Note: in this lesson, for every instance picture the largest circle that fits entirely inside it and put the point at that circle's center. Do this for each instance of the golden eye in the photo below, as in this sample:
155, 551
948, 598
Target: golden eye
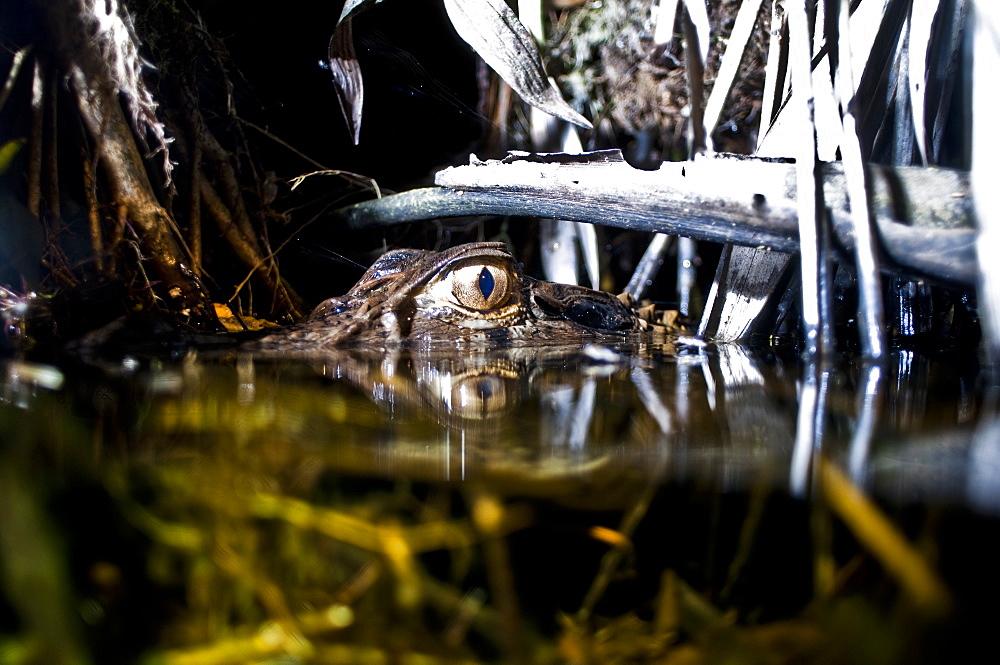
481, 286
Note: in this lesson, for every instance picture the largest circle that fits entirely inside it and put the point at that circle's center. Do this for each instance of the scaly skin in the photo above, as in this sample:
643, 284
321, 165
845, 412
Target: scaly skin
470, 295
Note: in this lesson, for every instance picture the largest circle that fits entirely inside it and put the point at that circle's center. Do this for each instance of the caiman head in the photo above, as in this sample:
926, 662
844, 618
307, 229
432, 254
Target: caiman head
473, 293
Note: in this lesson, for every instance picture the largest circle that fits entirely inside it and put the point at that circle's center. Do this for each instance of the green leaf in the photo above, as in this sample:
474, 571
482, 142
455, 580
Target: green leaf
8, 151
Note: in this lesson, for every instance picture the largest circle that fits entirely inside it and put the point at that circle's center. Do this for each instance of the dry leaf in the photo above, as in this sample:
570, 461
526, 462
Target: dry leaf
347, 76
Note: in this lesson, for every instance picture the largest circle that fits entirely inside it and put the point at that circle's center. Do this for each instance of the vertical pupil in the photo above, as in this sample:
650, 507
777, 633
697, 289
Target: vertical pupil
486, 283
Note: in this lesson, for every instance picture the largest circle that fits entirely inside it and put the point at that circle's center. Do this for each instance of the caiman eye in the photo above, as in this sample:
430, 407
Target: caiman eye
481, 286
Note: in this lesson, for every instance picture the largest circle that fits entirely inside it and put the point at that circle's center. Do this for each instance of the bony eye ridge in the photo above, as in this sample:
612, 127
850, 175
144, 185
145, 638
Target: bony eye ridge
481, 287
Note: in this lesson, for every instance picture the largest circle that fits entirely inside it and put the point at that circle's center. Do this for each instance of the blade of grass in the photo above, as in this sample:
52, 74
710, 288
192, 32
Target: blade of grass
899, 125
869, 285
922, 14
664, 14
873, 104
775, 71
884, 540
944, 72
696, 37
746, 19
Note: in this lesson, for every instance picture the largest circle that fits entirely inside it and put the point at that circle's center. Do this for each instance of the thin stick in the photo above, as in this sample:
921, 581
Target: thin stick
610, 561
815, 291
695, 30
370, 183
248, 252
649, 266
52, 155
194, 211
35, 143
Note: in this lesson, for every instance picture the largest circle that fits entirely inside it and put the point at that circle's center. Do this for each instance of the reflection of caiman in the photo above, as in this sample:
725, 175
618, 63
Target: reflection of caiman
472, 293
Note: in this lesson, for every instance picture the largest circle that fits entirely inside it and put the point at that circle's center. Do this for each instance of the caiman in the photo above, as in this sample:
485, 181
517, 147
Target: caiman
473, 294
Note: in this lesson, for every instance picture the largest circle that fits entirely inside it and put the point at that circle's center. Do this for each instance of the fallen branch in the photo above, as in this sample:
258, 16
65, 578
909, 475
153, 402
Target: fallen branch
739, 201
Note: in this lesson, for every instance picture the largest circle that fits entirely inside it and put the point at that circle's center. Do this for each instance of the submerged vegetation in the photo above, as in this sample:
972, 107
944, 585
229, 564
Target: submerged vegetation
237, 511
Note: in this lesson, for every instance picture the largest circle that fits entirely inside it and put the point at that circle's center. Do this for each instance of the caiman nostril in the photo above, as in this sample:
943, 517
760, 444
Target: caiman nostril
546, 305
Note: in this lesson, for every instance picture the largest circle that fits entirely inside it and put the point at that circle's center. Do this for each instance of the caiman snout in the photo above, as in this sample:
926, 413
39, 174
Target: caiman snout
593, 309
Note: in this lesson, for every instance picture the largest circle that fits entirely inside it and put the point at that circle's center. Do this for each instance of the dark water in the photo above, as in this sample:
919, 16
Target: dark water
672, 503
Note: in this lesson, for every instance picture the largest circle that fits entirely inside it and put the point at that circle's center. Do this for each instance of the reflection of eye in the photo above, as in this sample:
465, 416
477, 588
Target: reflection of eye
478, 396
481, 286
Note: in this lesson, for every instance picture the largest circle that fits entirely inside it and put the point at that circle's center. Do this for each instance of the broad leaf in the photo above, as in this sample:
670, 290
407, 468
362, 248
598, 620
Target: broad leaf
489, 26
492, 29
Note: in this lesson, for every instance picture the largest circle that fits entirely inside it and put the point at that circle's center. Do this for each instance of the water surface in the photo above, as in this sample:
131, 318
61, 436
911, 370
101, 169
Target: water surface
678, 501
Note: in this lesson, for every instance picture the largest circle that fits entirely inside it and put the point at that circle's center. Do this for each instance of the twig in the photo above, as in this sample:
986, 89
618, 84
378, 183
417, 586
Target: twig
93, 215
194, 210
140, 259
371, 183
35, 142
246, 250
52, 154
611, 559
273, 253
15, 70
